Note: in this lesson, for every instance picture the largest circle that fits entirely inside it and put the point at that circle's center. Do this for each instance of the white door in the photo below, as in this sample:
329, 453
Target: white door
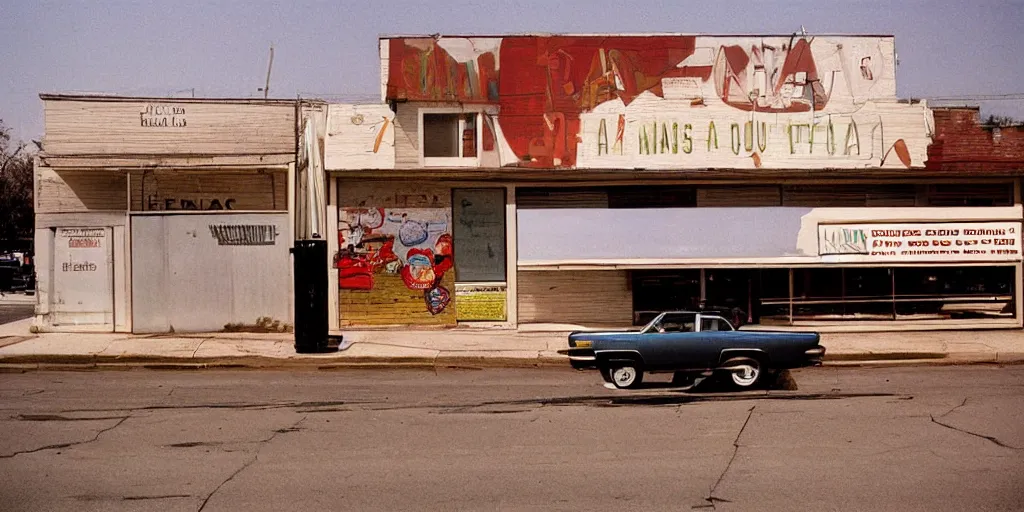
83, 280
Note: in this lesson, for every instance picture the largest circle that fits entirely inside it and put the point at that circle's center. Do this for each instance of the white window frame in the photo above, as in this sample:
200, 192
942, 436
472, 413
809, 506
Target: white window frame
458, 161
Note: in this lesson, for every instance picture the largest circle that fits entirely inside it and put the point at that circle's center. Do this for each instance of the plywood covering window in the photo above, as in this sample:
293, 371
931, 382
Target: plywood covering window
450, 139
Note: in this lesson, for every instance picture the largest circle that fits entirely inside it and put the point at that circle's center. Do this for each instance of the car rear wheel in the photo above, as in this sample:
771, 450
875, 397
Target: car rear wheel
626, 376
745, 371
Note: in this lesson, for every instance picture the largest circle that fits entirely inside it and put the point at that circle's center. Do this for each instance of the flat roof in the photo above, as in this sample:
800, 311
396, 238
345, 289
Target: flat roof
120, 98
628, 34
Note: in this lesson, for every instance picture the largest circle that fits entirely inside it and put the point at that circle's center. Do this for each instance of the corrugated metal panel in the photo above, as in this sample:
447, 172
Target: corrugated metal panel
768, 195
77, 191
197, 273
167, 127
179, 190
590, 298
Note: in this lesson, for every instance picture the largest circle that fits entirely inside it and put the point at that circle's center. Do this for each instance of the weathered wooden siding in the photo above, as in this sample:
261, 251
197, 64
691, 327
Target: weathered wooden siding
79, 191
114, 126
359, 137
407, 136
188, 190
590, 298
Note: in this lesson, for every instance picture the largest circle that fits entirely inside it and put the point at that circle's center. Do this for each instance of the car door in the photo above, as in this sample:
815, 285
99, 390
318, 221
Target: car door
714, 335
669, 350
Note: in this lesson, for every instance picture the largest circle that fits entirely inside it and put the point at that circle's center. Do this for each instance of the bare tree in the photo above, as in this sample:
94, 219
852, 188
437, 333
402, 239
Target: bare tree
16, 205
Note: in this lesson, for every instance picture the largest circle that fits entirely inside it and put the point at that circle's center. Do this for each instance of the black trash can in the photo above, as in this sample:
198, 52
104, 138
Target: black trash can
310, 270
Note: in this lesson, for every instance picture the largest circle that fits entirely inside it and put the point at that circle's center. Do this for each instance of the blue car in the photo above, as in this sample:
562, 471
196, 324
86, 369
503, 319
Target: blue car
692, 346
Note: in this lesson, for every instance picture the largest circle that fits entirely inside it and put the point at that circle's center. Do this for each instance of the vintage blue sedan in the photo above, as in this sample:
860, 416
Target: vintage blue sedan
692, 346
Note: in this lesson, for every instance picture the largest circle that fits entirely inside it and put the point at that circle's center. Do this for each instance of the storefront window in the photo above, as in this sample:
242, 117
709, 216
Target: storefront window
954, 292
478, 232
657, 291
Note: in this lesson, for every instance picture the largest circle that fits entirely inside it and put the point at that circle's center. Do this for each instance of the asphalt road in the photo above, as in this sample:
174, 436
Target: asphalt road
14, 312
939, 438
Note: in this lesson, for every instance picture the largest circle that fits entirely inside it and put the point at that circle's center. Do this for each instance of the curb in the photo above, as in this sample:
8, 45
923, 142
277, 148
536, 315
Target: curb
27, 363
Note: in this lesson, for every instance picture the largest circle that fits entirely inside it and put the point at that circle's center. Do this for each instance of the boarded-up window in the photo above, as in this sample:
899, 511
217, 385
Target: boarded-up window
824, 196
971, 194
479, 234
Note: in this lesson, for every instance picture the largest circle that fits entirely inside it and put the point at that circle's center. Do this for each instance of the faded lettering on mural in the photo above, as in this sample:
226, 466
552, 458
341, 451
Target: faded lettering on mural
986, 241
414, 244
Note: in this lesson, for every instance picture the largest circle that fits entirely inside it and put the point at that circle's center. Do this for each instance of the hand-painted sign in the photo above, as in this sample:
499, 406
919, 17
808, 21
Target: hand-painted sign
480, 302
961, 241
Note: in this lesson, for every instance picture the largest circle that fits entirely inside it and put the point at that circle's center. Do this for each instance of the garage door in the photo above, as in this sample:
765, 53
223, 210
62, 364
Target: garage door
197, 273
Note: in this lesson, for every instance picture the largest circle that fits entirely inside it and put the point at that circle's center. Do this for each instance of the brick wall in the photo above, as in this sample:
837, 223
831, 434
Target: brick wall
961, 143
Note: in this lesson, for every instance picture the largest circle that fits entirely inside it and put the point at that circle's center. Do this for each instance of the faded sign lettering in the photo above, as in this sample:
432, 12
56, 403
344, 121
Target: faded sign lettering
986, 241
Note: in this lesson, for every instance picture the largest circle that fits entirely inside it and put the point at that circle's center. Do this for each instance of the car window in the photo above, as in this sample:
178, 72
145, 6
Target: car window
676, 323
714, 324
708, 324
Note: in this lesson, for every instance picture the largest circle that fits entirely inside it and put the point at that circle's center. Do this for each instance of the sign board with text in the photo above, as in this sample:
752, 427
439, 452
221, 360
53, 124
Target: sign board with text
924, 242
83, 277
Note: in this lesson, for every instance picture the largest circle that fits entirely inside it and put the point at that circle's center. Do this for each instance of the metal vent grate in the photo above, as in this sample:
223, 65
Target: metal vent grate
244, 234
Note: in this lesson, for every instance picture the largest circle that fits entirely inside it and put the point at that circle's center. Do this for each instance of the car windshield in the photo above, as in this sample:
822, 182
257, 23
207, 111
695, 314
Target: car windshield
672, 322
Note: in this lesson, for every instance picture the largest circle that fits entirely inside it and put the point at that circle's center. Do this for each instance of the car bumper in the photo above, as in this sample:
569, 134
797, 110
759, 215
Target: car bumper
580, 358
815, 356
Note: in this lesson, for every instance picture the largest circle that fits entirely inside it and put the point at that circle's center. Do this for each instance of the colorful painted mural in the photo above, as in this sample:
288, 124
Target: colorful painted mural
413, 245
672, 101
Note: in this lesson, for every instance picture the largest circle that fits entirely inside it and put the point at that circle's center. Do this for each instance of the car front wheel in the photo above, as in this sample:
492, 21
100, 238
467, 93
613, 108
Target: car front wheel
626, 376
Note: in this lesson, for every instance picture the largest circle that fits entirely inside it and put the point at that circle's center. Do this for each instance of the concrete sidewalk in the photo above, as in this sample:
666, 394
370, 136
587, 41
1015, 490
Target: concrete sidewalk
443, 348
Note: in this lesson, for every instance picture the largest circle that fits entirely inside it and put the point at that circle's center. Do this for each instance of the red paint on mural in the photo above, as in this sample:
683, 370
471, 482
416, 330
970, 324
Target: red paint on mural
545, 83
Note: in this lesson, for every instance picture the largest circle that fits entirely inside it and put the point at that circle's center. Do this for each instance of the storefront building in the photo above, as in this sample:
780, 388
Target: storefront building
562, 182
162, 215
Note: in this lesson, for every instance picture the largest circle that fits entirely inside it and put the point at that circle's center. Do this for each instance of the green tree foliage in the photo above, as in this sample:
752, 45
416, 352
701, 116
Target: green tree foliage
16, 205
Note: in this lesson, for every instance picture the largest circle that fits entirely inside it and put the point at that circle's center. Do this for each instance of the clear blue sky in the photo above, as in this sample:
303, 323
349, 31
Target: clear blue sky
219, 48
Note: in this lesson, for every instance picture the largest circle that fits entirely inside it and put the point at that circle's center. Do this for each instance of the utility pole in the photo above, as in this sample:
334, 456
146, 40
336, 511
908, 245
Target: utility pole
270, 66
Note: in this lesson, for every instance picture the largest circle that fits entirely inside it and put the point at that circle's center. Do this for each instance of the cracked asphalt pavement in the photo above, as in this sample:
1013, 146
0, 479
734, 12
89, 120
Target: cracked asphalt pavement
903, 438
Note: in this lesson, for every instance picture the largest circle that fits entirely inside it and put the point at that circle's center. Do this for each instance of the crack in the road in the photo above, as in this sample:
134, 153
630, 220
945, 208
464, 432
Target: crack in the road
711, 498
947, 413
256, 457
67, 445
157, 497
664, 400
991, 439
57, 417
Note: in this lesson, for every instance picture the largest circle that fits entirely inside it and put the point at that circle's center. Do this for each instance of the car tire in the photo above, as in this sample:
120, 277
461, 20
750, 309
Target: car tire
606, 374
626, 375
750, 373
